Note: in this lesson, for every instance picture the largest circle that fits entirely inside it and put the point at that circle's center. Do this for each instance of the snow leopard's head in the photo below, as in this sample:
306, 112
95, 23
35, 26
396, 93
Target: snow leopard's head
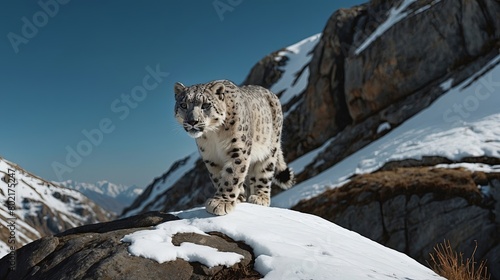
200, 108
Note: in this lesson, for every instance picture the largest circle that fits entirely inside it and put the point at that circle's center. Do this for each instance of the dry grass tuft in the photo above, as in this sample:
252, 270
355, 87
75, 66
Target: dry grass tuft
449, 264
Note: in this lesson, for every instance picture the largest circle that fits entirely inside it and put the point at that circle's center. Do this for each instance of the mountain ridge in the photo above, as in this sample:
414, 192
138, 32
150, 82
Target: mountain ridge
110, 196
35, 207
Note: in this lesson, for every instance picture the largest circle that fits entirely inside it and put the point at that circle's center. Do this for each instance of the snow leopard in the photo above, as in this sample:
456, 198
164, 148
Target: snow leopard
238, 134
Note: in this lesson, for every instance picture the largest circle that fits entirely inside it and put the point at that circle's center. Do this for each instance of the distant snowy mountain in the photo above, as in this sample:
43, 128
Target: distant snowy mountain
32, 207
112, 197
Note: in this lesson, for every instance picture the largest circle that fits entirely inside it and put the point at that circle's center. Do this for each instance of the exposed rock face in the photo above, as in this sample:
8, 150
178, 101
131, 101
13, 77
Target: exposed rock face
96, 252
407, 62
425, 47
266, 72
412, 209
349, 94
395, 77
323, 112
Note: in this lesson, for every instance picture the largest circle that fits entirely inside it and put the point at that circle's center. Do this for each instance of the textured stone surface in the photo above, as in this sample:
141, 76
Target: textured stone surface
423, 48
96, 252
266, 72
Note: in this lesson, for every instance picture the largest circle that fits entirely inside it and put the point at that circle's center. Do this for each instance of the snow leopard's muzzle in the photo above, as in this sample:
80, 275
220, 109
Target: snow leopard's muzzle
194, 128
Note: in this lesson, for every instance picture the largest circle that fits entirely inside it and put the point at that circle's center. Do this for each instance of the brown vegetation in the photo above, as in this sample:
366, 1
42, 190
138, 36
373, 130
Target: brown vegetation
450, 264
382, 185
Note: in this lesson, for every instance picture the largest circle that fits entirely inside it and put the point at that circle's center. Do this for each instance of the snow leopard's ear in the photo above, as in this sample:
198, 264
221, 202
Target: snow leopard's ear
179, 88
218, 89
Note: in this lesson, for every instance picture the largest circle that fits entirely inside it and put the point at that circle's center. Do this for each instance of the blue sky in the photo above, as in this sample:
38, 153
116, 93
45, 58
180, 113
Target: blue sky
84, 68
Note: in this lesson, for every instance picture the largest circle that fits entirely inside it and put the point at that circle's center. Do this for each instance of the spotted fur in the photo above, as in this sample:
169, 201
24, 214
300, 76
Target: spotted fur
238, 133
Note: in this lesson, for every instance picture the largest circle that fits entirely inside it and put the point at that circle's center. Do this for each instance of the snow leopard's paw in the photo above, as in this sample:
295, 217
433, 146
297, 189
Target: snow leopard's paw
219, 206
260, 200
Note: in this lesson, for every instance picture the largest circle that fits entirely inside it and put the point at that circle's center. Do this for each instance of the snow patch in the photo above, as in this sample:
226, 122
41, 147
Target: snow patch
300, 163
396, 14
426, 7
446, 85
157, 245
298, 56
383, 127
481, 167
286, 244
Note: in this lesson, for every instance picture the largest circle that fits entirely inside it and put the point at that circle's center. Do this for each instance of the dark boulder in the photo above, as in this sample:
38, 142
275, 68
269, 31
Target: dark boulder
96, 252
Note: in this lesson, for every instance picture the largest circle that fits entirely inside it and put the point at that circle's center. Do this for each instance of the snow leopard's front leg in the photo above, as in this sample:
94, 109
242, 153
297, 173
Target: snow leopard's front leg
230, 185
214, 171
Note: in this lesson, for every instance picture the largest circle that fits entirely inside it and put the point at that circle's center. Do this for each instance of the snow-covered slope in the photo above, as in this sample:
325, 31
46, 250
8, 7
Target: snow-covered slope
464, 122
32, 207
286, 244
151, 198
295, 72
112, 197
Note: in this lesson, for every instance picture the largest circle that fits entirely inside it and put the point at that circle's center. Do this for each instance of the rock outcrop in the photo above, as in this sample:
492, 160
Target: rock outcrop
96, 252
431, 42
349, 94
412, 209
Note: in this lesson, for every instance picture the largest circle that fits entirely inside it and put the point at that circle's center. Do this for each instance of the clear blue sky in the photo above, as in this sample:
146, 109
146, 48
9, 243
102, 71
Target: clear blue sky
70, 68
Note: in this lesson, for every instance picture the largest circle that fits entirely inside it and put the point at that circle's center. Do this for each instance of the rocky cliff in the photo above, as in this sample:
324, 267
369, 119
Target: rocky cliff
374, 67
367, 69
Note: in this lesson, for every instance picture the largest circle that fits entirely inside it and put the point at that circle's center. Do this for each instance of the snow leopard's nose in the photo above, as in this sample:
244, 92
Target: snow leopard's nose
192, 122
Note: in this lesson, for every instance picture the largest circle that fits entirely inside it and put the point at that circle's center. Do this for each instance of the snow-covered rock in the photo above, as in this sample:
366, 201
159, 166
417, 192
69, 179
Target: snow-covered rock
286, 245
253, 242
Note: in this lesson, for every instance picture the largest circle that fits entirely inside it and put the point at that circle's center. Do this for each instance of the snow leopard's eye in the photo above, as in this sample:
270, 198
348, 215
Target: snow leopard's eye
206, 106
183, 105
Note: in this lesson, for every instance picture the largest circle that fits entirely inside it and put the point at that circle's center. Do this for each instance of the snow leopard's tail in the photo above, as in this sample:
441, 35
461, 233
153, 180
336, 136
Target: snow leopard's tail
283, 175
